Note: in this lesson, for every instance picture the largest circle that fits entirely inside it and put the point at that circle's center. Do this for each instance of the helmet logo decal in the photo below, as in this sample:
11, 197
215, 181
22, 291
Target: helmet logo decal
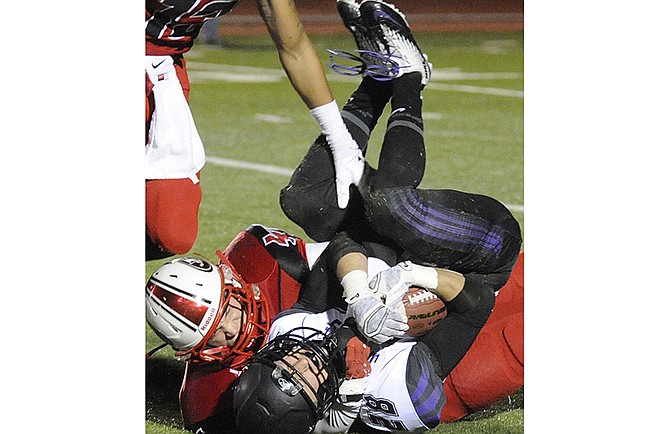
279, 237
284, 385
196, 263
208, 320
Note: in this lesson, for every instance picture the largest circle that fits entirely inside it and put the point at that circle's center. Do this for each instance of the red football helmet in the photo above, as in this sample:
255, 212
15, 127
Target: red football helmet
186, 299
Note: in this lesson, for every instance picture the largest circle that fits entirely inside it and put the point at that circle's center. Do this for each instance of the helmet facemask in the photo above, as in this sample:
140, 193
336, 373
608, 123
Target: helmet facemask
321, 349
253, 329
186, 300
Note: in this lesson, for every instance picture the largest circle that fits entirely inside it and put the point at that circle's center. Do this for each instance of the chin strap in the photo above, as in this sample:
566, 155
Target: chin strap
155, 350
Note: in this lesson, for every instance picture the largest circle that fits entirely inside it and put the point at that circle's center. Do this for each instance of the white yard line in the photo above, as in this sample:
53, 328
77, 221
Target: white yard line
476, 89
267, 168
201, 72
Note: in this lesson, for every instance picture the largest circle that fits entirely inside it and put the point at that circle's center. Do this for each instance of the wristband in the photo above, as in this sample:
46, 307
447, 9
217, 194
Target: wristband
329, 118
425, 277
339, 139
353, 282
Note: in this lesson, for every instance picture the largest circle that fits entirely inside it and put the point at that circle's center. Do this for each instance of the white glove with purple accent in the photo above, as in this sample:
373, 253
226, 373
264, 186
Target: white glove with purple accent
373, 318
392, 283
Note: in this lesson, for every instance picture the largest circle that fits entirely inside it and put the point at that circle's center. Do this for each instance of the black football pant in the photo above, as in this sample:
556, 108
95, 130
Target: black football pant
472, 234
464, 232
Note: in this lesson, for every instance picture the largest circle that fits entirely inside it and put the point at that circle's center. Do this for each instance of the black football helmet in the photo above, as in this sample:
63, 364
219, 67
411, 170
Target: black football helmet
270, 398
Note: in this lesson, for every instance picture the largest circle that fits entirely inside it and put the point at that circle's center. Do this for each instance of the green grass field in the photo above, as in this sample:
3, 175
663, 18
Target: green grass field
246, 111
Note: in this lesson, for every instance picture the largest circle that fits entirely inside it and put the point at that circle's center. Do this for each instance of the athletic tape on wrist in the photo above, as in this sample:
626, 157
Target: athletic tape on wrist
354, 282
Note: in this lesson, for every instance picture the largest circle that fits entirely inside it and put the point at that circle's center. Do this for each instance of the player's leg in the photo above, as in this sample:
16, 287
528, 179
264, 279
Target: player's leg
492, 369
402, 158
171, 216
171, 205
436, 226
310, 198
367, 103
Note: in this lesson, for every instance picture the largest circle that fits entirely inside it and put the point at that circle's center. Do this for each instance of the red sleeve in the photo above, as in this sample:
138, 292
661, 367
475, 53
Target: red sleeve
205, 391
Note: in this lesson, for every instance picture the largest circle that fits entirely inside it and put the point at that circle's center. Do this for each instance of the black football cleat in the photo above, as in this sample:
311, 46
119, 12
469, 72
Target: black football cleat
393, 30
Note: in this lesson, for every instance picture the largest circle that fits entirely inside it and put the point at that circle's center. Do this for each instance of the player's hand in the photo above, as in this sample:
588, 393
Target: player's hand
392, 283
375, 320
341, 415
348, 170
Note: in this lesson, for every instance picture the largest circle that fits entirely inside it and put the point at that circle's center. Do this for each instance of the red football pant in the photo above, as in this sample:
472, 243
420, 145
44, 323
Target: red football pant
172, 204
493, 367
172, 213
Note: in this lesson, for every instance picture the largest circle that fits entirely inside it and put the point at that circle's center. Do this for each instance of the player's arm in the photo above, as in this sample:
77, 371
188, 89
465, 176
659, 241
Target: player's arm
373, 319
304, 70
296, 52
394, 282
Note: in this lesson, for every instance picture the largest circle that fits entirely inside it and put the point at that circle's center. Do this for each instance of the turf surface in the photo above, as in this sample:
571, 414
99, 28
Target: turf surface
247, 112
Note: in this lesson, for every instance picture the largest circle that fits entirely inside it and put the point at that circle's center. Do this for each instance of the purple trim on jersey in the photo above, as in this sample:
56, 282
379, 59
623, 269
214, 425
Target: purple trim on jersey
428, 410
448, 225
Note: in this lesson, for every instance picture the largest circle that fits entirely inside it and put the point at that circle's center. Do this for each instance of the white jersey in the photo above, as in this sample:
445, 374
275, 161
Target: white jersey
386, 404
174, 149
320, 321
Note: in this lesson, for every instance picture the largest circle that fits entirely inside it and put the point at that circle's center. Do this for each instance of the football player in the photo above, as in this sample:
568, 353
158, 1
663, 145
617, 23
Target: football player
177, 291
216, 316
473, 236
491, 235
292, 382
174, 152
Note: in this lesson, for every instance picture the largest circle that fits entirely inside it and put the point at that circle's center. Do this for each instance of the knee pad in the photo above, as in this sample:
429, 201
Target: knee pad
317, 216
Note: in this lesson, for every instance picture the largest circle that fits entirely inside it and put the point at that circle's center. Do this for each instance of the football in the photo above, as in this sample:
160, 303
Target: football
423, 309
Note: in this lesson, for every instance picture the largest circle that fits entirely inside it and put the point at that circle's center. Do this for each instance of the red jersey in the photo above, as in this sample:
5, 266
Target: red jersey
172, 25
275, 261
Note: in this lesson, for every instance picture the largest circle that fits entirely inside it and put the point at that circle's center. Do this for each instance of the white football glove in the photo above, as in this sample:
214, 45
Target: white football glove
349, 166
347, 157
374, 319
392, 284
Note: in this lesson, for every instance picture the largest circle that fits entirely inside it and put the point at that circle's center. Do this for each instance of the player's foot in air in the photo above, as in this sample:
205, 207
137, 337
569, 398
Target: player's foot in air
366, 39
375, 60
392, 29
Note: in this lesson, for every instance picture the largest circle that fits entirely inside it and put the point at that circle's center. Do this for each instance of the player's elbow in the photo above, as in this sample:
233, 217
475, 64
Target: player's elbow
475, 301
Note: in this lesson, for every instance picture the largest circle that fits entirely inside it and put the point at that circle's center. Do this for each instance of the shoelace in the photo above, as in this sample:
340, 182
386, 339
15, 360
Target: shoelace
366, 63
